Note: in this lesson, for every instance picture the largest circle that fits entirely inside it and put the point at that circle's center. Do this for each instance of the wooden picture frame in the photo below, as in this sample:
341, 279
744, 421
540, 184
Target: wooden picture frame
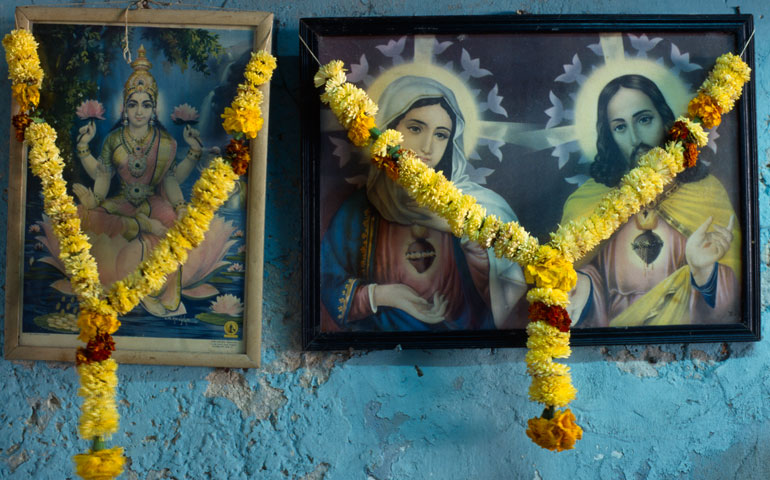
209, 313
526, 89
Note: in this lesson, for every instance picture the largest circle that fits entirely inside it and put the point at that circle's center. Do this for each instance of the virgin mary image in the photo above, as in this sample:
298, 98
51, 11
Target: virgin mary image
390, 265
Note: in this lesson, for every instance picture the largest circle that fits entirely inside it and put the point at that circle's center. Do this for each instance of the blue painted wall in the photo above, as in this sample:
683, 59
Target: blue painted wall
676, 411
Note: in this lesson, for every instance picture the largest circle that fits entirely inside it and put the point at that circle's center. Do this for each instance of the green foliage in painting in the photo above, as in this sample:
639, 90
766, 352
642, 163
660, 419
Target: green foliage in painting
73, 58
183, 47
76, 57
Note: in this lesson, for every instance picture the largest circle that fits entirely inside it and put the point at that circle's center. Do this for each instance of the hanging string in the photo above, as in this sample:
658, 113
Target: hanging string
309, 51
746, 45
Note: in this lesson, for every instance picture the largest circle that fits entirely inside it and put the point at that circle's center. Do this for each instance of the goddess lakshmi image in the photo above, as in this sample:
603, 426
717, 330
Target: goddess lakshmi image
141, 153
130, 182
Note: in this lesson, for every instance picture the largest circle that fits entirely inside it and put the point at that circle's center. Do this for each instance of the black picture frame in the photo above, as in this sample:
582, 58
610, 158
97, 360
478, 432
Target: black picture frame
346, 39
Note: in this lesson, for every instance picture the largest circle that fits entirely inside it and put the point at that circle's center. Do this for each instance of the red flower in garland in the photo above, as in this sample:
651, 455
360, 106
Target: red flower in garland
678, 131
98, 349
388, 164
238, 153
554, 315
690, 155
20, 123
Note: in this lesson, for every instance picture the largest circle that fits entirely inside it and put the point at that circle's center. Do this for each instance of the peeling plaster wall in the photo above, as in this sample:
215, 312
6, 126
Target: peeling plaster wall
649, 412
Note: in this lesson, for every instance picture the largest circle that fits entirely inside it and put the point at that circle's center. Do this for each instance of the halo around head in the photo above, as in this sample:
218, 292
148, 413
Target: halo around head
466, 101
673, 88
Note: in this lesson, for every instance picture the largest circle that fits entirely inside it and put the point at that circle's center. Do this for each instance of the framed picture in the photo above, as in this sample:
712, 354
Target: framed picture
536, 117
131, 156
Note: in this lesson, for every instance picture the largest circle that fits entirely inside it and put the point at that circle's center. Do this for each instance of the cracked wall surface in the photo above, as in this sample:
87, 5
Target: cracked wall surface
649, 412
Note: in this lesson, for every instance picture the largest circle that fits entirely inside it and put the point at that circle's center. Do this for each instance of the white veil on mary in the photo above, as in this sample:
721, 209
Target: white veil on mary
506, 281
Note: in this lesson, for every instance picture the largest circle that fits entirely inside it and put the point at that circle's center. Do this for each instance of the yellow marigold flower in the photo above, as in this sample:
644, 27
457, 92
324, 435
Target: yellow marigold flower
489, 231
26, 95
549, 296
348, 101
736, 64
447, 194
90, 321
551, 270
457, 212
473, 220
99, 417
548, 339
331, 69
697, 134
260, 68
554, 391
21, 55
706, 109
558, 433
723, 93
98, 381
101, 465
122, 298
246, 121
247, 97
359, 133
387, 139
40, 134
540, 364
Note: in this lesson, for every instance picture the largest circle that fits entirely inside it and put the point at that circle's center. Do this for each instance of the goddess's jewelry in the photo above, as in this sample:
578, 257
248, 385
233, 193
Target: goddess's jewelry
83, 151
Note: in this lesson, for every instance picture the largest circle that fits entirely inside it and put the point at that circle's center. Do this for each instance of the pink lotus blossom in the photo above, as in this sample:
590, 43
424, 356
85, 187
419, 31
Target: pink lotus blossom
184, 114
117, 257
235, 267
90, 109
227, 304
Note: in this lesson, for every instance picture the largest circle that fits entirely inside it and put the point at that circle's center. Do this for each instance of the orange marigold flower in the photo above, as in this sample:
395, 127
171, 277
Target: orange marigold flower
359, 130
238, 153
678, 131
557, 433
240, 167
690, 155
81, 357
705, 108
554, 315
20, 123
388, 164
91, 323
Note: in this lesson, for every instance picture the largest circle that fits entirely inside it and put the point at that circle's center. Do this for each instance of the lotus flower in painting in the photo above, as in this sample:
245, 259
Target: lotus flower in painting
227, 304
184, 115
90, 109
117, 257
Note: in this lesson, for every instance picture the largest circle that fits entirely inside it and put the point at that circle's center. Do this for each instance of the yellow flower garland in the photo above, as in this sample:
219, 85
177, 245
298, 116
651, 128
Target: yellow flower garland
549, 267
98, 315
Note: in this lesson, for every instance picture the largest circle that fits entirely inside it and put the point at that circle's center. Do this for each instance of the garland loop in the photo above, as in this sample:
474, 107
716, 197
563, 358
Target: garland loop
99, 310
550, 268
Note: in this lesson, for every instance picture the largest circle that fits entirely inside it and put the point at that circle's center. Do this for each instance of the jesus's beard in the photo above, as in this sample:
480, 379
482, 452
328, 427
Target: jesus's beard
638, 153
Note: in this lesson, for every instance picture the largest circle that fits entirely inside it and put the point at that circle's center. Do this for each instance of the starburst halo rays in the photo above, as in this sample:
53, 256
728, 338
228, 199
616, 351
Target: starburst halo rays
672, 87
616, 63
465, 100
424, 64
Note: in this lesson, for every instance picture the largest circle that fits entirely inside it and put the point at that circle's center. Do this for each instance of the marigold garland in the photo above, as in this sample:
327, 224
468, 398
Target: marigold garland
548, 267
98, 313
559, 432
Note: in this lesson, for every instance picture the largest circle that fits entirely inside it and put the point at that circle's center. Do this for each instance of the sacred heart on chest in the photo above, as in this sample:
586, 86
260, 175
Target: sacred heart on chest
647, 246
421, 254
